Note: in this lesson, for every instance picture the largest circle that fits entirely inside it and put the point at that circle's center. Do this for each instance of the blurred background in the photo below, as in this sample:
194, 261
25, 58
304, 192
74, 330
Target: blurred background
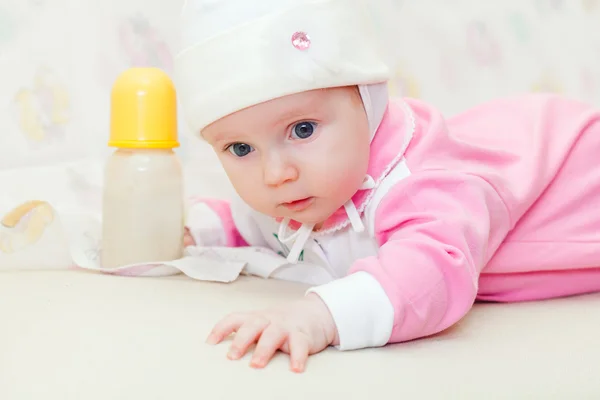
58, 59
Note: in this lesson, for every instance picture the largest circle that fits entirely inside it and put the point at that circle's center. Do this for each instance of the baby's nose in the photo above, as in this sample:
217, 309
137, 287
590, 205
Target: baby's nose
277, 171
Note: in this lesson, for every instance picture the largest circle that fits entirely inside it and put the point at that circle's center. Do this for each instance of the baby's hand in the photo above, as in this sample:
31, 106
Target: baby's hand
188, 240
300, 329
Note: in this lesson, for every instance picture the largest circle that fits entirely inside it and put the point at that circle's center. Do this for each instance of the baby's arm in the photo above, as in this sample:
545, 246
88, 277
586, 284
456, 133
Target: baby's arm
210, 222
436, 232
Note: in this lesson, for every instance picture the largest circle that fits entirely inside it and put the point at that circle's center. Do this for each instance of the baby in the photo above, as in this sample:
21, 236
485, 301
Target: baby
398, 218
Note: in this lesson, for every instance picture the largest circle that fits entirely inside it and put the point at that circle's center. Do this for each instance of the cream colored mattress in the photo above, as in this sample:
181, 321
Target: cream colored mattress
86, 336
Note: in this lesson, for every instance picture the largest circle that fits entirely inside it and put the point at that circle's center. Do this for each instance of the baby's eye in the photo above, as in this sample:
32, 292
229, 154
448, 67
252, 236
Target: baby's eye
303, 130
240, 149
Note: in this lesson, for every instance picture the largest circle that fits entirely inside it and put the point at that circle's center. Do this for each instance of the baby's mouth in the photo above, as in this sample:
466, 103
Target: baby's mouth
299, 204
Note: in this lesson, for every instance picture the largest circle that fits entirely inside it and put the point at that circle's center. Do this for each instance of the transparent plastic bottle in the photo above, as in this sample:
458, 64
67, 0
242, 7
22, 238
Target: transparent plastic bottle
143, 209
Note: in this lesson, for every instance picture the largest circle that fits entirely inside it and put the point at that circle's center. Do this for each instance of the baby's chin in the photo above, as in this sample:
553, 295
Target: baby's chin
306, 218
312, 216
299, 219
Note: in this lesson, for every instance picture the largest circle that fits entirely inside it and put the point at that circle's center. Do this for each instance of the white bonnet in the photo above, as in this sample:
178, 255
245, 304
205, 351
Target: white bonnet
238, 53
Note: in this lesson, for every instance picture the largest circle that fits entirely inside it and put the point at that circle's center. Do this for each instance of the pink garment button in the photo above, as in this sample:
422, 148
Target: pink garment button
301, 40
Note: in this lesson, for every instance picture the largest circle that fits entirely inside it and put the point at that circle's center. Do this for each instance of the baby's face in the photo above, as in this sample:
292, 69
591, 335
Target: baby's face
301, 156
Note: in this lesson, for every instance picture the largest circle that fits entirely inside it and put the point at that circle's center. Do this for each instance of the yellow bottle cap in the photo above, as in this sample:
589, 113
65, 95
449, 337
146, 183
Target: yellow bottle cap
143, 110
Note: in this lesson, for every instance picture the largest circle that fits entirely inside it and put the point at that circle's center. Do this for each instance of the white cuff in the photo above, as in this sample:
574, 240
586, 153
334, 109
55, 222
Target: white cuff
361, 310
205, 226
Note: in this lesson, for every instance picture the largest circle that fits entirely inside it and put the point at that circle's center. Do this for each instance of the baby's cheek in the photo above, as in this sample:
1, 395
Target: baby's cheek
342, 181
243, 180
352, 179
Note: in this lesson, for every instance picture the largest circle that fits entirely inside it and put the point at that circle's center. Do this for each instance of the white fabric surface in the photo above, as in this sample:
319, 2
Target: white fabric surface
80, 335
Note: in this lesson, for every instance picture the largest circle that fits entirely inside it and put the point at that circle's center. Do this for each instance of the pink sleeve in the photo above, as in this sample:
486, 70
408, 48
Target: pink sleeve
211, 223
436, 230
434, 244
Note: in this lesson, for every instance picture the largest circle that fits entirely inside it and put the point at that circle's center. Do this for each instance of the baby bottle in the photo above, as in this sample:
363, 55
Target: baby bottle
143, 207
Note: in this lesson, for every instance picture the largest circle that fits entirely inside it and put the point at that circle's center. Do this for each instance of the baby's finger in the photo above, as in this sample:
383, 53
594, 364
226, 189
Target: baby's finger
247, 334
188, 239
270, 341
226, 327
299, 349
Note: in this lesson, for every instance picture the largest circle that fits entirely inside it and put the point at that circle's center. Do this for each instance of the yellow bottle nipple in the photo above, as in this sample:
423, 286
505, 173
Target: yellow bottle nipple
143, 110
